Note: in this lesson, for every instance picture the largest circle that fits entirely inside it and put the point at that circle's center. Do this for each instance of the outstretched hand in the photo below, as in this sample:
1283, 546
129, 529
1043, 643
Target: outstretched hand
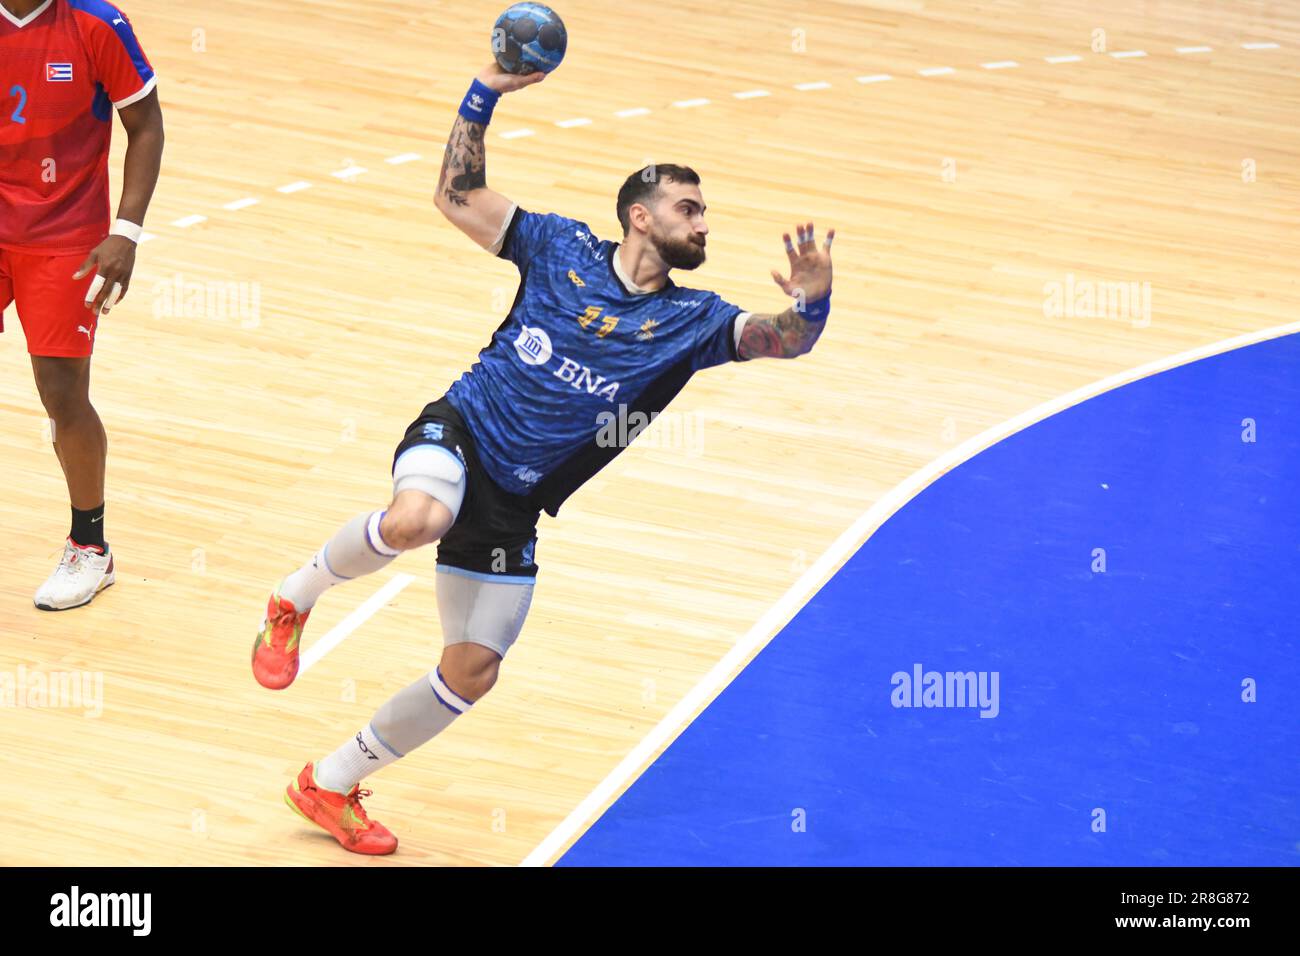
810, 267
498, 79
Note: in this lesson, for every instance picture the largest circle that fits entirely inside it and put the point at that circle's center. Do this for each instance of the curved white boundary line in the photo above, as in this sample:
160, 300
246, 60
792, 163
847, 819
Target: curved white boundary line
780, 614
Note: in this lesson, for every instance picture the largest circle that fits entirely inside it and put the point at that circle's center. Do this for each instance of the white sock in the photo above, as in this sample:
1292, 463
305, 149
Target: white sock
305, 586
356, 549
409, 719
354, 761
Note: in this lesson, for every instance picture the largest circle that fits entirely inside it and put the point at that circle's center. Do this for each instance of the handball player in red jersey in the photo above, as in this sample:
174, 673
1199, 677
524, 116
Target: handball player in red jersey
65, 67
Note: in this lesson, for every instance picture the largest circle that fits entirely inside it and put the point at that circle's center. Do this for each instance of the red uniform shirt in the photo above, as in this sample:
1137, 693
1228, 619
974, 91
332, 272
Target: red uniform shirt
63, 69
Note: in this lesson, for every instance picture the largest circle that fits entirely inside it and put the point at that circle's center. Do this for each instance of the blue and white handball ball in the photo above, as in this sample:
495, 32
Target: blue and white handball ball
529, 37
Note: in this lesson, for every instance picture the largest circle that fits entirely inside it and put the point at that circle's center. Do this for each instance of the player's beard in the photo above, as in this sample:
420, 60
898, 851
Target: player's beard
685, 253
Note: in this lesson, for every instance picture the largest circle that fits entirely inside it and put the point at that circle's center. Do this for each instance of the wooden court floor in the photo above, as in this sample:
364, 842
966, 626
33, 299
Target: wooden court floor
268, 358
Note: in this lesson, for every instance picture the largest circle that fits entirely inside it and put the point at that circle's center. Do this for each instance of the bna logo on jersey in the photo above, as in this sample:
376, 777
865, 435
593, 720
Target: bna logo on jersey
533, 346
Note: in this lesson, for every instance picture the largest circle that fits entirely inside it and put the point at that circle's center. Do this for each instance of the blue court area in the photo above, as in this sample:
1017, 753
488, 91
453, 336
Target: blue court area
1119, 691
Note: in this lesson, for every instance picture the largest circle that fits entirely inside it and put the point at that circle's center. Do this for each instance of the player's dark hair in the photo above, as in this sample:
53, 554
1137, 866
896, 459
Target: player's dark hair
643, 185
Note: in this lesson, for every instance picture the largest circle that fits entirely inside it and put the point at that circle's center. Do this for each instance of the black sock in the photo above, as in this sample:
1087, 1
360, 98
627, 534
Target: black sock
88, 527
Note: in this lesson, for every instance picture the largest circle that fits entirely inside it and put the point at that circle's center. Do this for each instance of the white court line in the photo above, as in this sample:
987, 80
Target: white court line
817, 85
516, 133
566, 124
936, 71
634, 111
239, 204
1194, 49
1128, 54
339, 632
1069, 58
350, 172
1000, 65
875, 78
1259, 46
687, 104
187, 221
293, 187
402, 158
750, 94
147, 237
840, 551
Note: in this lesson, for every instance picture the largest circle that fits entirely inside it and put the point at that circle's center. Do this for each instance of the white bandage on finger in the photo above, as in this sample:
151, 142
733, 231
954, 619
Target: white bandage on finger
114, 294
96, 284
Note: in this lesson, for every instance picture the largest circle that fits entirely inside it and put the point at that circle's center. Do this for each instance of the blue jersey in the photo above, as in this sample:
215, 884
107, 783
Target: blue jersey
580, 349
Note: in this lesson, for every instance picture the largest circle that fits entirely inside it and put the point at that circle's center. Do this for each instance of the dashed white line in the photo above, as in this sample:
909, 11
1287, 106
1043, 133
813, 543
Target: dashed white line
147, 237
335, 635
353, 170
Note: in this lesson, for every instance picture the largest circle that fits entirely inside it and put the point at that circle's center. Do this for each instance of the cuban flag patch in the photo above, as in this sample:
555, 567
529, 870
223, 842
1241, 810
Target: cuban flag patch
58, 72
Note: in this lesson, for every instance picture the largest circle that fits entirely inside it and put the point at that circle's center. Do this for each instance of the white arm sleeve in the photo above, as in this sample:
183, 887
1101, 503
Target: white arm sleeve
495, 248
740, 328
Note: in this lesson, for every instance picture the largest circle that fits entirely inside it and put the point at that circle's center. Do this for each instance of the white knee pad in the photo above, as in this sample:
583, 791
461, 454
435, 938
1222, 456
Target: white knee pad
433, 470
476, 610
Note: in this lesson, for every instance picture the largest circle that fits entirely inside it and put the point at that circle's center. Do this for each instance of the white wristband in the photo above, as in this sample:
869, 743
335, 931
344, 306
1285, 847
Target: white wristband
127, 229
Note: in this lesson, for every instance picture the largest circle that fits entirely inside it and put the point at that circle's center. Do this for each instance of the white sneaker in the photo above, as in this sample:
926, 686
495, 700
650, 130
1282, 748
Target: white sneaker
82, 574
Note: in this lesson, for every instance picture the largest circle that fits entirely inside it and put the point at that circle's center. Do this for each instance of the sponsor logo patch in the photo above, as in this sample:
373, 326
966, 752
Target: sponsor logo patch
533, 346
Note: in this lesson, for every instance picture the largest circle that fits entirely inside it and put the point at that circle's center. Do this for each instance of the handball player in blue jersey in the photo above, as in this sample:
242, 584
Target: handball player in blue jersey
598, 331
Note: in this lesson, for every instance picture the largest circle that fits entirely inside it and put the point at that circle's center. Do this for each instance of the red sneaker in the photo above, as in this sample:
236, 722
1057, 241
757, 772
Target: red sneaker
341, 815
275, 652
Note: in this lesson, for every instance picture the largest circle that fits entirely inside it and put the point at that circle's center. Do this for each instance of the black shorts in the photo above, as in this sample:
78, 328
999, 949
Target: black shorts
495, 533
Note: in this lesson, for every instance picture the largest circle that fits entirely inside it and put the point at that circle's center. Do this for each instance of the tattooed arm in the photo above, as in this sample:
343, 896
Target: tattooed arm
462, 194
787, 335
793, 332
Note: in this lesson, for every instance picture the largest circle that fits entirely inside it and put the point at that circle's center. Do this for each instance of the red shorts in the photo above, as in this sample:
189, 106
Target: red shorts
51, 304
